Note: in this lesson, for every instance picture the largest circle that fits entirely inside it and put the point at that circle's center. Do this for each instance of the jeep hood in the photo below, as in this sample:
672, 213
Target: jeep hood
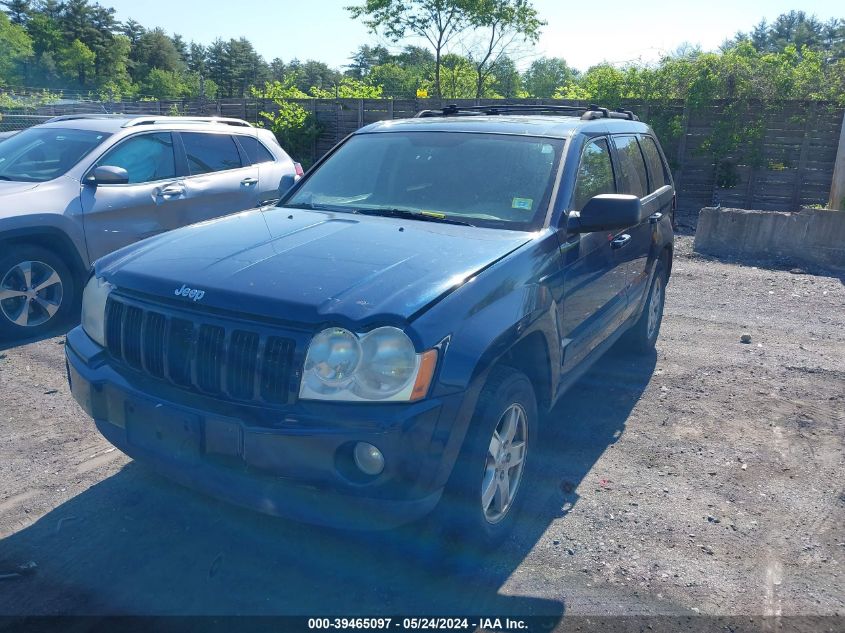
310, 267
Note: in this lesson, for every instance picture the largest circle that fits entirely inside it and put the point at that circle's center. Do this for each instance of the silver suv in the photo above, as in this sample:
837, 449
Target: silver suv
81, 186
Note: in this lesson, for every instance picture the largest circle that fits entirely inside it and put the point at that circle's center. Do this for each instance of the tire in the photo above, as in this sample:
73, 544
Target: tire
37, 292
461, 527
642, 336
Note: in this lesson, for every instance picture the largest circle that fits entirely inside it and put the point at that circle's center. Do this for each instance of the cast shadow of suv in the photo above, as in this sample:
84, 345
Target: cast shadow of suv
136, 544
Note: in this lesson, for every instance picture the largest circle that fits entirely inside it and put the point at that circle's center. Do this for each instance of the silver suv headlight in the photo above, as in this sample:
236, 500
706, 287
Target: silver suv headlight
94, 308
381, 365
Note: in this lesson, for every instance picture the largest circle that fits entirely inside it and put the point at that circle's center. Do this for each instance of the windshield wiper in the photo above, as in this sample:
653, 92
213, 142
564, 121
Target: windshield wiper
319, 207
5, 178
412, 215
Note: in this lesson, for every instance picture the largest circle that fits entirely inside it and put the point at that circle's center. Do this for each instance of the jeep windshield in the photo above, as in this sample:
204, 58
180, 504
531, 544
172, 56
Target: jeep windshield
490, 180
43, 153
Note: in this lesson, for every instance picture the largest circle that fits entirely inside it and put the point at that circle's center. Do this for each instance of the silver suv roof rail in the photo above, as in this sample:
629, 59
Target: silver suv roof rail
73, 117
152, 120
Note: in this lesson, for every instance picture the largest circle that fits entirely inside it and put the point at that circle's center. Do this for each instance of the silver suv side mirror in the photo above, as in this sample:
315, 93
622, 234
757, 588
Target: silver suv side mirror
108, 175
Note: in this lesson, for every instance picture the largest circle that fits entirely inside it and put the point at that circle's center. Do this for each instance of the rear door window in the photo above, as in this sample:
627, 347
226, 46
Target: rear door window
146, 157
255, 150
632, 165
207, 153
656, 170
595, 174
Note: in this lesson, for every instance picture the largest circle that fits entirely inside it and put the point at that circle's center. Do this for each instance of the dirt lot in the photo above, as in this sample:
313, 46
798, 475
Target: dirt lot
707, 478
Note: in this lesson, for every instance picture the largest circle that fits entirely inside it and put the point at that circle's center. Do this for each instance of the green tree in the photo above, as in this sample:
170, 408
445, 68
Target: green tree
545, 75
436, 21
502, 25
76, 61
293, 125
19, 11
15, 48
154, 49
365, 59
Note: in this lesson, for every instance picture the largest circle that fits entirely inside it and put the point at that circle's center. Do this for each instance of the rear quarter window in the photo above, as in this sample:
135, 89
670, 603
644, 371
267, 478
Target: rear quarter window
656, 169
255, 150
208, 153
632, 166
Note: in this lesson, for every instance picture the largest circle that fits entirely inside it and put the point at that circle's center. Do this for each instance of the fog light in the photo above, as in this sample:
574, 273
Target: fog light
368, 458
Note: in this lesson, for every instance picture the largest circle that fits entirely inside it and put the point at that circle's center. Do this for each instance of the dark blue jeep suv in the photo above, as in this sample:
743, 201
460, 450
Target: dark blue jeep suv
383, 342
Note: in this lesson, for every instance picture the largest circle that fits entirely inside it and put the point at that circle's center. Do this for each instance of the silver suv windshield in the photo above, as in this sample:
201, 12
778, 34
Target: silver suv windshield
41, 154
491, 180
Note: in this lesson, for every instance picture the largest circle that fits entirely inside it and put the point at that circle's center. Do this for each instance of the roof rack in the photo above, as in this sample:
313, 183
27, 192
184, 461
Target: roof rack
73, 117
587, 112
152, 120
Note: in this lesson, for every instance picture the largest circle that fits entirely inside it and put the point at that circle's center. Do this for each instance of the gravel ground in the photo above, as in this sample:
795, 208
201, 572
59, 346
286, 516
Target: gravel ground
707, 478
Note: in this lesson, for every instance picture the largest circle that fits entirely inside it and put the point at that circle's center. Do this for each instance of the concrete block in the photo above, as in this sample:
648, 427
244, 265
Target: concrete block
813, 236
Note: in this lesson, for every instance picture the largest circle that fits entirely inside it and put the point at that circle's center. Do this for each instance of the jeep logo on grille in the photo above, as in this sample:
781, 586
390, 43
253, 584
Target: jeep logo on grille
192, 293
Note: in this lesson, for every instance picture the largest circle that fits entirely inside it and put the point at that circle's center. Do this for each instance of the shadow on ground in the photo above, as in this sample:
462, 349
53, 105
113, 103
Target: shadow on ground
136, 544
58, 330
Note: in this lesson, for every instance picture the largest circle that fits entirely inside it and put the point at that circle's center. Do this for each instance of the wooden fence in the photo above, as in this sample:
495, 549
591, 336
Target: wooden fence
788, 161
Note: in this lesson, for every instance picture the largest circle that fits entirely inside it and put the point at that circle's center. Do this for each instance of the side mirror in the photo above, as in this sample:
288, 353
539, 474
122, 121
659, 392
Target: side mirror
606, 211
108, 175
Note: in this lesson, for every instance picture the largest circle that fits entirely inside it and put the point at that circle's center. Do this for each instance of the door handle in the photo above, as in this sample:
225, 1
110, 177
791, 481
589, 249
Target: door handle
171, 191
620, 241
249, 181
654, 218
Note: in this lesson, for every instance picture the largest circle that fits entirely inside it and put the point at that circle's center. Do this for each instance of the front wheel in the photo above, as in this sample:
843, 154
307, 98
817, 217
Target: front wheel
37, 291
484, 495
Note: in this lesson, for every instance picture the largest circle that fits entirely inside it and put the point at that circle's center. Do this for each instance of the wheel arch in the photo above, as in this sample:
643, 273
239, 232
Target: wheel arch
52, 239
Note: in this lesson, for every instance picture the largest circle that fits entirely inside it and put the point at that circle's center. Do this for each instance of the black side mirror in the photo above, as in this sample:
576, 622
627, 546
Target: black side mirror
604, 212
108, 175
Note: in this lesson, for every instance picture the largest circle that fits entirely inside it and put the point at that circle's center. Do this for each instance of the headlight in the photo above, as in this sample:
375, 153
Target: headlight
381, 365
94, 309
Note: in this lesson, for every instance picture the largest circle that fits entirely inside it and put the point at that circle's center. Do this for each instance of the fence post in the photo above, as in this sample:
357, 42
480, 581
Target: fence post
837, 186
360, 113
682, 149
313, 103
390, 109
810, 119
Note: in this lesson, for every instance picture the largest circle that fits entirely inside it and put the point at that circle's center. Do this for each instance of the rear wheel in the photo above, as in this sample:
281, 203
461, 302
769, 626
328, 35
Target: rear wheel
483, 498
37, 291
642, 336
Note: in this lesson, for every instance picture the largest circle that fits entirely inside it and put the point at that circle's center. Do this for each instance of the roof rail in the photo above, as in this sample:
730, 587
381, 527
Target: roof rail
73, 117
586, 112
152, 120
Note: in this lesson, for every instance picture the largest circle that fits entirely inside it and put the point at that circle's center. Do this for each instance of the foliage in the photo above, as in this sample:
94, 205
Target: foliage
294, 126
545, 75
436, 21
15, 48
348, 88
503, 25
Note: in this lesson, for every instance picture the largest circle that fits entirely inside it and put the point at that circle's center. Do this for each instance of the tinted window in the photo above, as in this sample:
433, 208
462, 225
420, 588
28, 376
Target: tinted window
483, 179
595, 174
41, 154
255, 150
631, 165
656, 172
145, 158
210, 152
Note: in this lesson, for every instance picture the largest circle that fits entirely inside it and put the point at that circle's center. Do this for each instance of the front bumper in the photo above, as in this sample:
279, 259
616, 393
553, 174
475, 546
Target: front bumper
294, 468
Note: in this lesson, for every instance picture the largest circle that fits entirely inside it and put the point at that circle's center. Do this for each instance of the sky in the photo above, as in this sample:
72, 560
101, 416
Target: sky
582, 33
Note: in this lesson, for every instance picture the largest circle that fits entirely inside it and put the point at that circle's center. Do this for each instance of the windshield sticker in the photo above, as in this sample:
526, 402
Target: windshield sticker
547, 149
522, 203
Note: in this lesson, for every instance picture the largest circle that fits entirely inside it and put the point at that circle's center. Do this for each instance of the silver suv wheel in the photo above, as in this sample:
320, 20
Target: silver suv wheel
30, 293
505, 463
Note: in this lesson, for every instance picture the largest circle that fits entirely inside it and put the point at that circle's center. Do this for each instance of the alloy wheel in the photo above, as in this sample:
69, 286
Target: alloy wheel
655, 305
30, 293
505, 463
